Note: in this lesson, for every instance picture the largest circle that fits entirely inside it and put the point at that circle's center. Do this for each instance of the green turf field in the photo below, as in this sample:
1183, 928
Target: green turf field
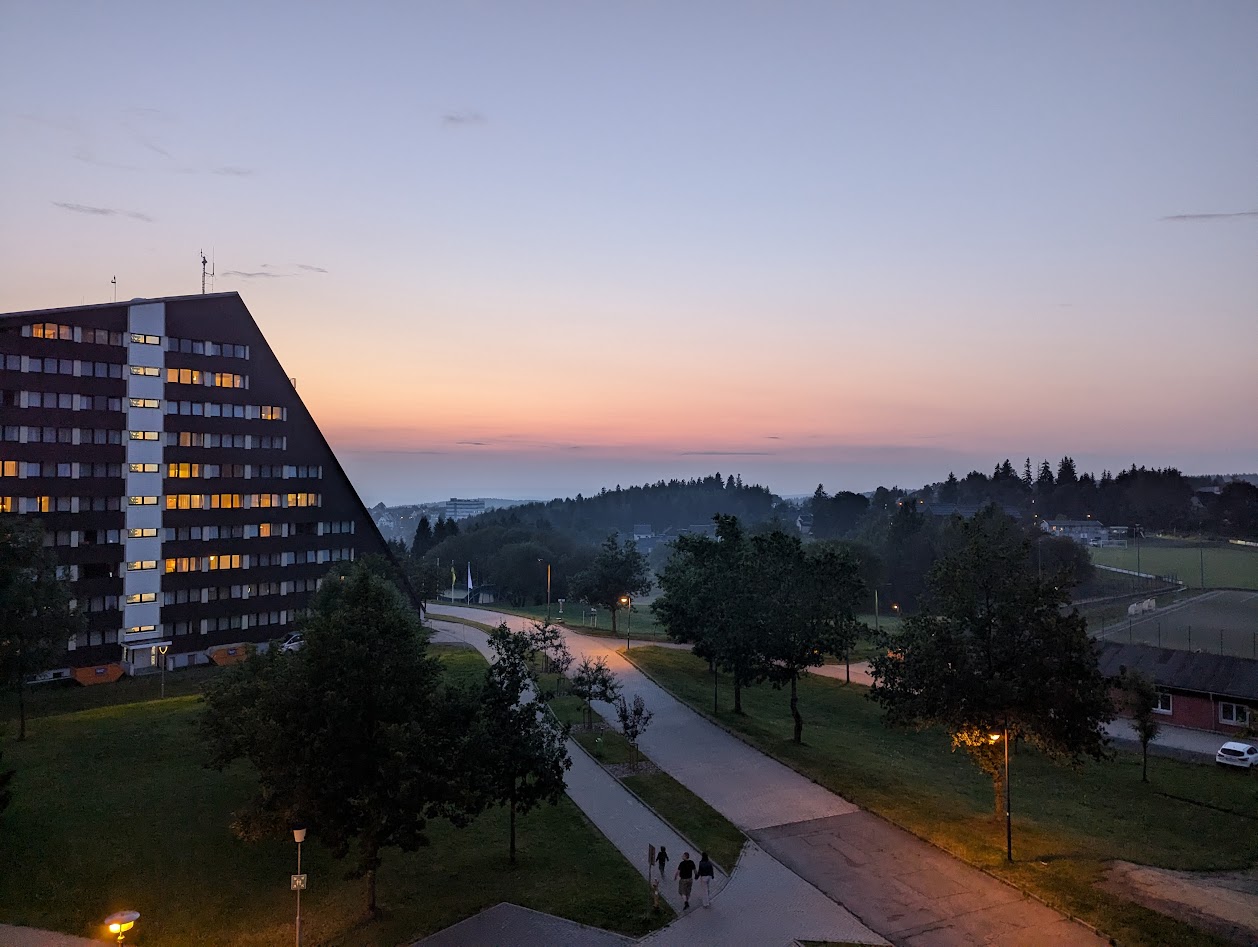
1221, 565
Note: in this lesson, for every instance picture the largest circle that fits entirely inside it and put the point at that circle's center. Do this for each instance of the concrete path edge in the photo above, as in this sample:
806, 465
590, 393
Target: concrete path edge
1026, 894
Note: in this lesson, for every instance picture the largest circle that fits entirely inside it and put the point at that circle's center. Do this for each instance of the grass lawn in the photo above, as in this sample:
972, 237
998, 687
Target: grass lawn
1067, 823
1223, 564
689, 814
112, 809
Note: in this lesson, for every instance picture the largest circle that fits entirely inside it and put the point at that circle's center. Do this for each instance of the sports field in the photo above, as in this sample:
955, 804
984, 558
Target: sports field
1220, 622
1221, 565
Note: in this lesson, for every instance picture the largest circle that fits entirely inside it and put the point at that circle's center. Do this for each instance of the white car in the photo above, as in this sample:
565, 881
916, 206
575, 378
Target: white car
1237, 754
292, 643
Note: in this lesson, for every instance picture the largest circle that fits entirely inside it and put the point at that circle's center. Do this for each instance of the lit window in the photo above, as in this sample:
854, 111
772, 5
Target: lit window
143, 468
146, 532
145, 403
139, 598
142, 501
145, 370
141, 565
143, 435
141, 339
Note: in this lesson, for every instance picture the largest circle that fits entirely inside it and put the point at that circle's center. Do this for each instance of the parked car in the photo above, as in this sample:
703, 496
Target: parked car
292, 643
1237, 754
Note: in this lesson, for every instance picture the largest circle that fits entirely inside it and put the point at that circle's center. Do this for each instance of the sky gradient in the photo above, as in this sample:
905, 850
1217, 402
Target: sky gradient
530, 249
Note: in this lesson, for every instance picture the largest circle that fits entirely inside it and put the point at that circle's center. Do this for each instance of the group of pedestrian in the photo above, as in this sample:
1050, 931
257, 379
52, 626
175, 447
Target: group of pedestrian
685, 874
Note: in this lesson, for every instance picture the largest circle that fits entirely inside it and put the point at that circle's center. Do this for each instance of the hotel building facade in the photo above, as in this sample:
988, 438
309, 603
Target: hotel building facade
192, 500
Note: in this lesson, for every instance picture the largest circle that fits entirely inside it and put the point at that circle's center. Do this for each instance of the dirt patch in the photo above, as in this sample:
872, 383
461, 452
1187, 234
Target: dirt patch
1221, 902
642, 768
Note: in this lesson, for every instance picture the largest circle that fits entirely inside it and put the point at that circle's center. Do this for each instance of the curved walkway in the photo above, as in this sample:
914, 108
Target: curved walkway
762, 902
899, 886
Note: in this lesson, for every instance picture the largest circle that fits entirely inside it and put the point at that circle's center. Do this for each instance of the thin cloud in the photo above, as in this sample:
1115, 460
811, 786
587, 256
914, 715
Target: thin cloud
243, 274
1182, 218
102, 211
275, 271
473, 443
725, 453
233, 171
462, 119
310, 269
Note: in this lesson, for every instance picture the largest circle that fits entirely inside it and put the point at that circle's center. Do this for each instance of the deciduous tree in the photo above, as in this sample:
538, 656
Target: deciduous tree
593, 680
36, 615
520, 748
1141, 697
634, 719
353, 735
617, 570
995, 653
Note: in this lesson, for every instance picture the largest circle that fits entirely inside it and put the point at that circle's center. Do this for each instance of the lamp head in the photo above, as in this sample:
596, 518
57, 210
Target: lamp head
299, 833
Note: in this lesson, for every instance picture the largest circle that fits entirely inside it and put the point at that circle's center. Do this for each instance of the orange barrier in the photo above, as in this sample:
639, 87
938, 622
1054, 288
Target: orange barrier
98, 674
231, 654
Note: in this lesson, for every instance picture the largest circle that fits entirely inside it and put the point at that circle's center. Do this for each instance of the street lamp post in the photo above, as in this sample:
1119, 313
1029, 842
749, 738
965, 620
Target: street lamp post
299, 880
626, 601
162, 649
548, 593
121, 922
995, 737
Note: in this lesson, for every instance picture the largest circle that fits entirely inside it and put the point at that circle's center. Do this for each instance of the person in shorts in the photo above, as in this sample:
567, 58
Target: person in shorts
685, 875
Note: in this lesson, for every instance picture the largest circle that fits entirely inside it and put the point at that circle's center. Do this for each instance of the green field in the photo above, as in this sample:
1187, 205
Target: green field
1068, 823
112, 809
1219, 621
1222, 565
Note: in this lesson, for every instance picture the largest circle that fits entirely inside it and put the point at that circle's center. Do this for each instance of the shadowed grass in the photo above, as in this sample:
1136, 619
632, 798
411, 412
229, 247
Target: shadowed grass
112, 809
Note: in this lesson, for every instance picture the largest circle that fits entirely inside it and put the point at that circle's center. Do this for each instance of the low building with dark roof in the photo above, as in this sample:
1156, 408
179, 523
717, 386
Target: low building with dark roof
1195, 689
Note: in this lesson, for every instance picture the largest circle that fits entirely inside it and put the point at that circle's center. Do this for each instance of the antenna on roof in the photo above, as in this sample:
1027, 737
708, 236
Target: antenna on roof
203, 272
212, 270
115, 282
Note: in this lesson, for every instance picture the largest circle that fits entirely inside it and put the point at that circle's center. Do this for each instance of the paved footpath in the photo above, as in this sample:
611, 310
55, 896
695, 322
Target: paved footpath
899, 886
31, 937
762, 903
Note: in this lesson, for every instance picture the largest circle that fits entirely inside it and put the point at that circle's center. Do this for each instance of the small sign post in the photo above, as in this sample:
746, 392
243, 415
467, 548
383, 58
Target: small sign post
297, 883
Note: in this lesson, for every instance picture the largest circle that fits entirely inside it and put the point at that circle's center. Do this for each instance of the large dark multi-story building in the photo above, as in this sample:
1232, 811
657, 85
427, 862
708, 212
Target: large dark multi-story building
191, 498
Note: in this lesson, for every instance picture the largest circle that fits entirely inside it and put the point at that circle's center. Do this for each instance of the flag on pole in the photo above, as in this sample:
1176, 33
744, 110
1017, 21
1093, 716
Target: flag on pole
453, 577
469, 577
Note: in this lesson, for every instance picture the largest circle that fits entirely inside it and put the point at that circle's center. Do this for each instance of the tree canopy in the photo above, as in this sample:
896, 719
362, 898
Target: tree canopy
995, 652
37, 617
353, 735
617, 570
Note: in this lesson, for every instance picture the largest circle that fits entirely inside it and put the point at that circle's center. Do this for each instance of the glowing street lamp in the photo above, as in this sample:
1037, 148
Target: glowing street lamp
120, 922
627, 602
996, 738
299, 880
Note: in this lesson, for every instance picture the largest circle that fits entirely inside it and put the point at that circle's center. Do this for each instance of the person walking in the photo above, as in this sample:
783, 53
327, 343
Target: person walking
661, 859
707, 871
685, 875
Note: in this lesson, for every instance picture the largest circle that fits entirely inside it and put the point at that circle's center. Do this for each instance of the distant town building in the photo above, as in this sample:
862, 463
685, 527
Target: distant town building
191, 499
1087, 532
457, 509
642, 531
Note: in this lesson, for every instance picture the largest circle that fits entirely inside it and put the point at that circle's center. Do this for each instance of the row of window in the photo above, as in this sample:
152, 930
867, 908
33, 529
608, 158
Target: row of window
62, 400
62, 366
181, 628
231, 501
216, 563
242, 471
199, 347
194, 376
47, 504
197, 596
59, 469
71, 333
243, 441
23, 434
212, 409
